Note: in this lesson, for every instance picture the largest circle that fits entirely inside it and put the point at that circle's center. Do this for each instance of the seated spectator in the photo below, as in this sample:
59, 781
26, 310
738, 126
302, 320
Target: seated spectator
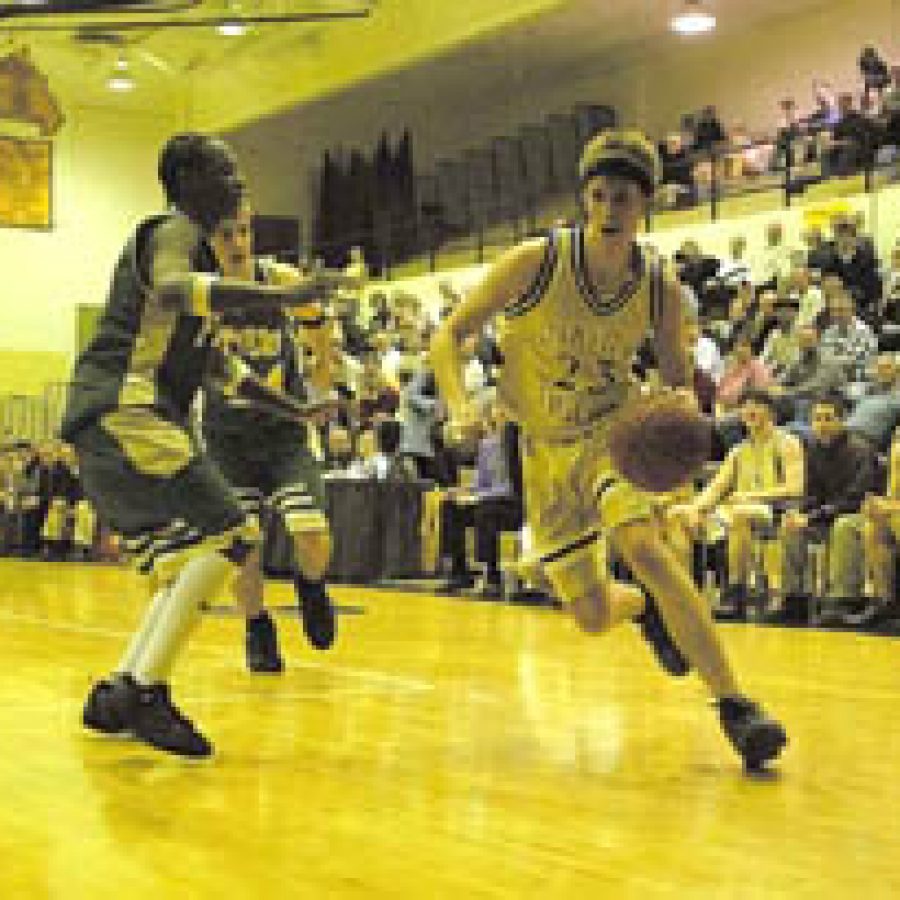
890, 112
826, 114
848, 339
781, 349
762, 321
735, 268
678, 187
884, 376
740, 310
804, 295
704, 351
841, 469
694, 268
881, 532
743, 372
384, 462
759, 478
808, 377
492, 505
889, 315
346, 309
376, 396
63, 490
876, 417
818, 252
774, 262
852, 258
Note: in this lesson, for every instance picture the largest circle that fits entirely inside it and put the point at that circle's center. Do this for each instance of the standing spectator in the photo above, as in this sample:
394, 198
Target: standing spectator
852, 143
709, 132
421, 413
875, 73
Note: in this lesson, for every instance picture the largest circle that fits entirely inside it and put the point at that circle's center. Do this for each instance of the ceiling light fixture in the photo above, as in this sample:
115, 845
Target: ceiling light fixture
232, 26
693, 19
120, 80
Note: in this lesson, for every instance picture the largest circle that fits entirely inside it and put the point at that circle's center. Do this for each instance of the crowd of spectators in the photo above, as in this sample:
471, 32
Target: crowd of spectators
839, 134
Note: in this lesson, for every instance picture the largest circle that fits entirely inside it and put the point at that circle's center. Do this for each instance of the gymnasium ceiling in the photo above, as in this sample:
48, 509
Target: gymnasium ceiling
221, 83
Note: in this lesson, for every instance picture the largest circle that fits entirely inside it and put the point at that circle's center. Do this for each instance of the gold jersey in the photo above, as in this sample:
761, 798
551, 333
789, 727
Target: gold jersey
568, 350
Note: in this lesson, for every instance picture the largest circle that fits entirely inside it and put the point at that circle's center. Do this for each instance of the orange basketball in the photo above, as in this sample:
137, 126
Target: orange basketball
660, 441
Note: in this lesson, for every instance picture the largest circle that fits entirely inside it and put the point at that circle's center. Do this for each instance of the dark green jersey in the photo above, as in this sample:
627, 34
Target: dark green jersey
262, 336
142, 354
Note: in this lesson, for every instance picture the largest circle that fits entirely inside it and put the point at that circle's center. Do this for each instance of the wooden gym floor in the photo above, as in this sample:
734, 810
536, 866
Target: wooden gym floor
444, 749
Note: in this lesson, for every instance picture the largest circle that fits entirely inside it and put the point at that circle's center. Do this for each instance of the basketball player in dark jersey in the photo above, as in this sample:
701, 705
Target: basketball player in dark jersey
265, 457
127, 417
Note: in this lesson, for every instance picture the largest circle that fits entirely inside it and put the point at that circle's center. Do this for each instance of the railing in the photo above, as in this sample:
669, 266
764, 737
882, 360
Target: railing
482, 221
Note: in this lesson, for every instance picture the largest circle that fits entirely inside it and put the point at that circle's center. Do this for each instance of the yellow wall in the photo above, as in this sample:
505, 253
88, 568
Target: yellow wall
27, 371
104, 180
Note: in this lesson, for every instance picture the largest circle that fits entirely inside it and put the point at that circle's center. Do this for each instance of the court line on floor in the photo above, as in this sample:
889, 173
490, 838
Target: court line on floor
409, 682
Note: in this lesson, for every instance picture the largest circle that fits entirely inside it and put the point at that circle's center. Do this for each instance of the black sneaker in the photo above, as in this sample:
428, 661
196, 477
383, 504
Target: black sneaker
262, 646
316, 612
121, 706
756, 737
657, 636
107, 709
156, 721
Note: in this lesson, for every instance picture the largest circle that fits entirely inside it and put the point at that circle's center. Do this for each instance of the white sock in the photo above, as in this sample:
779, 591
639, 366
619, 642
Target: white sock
179, 611
139, 639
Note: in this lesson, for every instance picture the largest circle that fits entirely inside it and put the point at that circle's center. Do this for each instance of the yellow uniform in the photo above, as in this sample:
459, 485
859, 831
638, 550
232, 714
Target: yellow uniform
567, 367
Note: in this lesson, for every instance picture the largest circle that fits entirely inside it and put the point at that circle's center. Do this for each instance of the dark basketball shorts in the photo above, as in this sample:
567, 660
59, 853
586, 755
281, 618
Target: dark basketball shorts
272, 470
150, 482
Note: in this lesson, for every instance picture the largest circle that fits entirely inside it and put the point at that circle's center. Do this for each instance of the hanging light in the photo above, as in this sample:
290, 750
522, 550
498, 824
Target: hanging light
232, 27
694, 18
120, 80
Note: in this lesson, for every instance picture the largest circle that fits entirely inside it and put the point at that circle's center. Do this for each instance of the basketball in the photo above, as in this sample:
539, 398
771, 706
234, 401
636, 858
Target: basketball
660, 441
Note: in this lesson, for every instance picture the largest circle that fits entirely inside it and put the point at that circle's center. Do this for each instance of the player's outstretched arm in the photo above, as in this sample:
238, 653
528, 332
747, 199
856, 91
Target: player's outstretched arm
176, 286
508, 278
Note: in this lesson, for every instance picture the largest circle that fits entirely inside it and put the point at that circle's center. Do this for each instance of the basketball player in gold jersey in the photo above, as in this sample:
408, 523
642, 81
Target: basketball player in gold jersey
572, 309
